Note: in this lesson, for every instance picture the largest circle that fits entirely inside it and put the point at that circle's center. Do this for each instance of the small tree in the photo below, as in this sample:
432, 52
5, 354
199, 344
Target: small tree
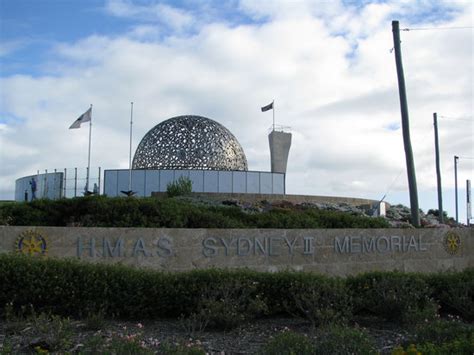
180, 187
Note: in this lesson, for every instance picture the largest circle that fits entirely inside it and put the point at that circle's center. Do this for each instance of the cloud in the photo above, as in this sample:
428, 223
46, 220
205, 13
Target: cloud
9, 47
327, 65
172, 17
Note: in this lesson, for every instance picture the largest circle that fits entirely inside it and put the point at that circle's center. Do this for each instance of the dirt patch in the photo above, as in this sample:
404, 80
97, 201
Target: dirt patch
24, 337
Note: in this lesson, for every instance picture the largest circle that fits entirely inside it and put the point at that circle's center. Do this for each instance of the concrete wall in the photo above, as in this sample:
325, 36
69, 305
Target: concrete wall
333, 252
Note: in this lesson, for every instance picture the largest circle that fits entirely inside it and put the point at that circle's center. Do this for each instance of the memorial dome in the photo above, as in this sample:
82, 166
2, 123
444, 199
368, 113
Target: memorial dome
190, 142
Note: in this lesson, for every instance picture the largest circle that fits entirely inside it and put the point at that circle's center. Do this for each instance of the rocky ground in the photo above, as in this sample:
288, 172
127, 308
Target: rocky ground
74, 336
397, 215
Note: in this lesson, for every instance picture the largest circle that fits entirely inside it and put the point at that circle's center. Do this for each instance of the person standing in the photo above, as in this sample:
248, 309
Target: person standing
33, 188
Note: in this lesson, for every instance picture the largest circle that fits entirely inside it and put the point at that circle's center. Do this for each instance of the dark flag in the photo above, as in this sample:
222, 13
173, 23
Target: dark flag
268, 107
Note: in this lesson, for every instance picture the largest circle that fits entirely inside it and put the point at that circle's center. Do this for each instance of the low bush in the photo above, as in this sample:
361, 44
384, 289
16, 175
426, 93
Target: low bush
219, 298
289, 343
394, 296
230, 304
181, 187
441, 331
319, 300
439, 338
101, 211
454, 292
337, 340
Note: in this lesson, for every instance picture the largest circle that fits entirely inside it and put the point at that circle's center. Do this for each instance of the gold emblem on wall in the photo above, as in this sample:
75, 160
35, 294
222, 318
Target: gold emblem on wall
31, 242
452, 242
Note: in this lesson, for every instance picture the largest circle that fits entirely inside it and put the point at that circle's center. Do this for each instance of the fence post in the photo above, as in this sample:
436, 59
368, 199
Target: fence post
99, 180
65, 182
75, 182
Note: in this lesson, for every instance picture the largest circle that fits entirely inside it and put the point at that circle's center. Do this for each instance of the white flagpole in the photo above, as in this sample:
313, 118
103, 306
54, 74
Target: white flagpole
89, 155
130, 154
273, 105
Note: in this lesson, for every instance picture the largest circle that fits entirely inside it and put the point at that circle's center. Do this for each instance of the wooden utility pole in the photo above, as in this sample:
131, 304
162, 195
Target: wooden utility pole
438, 169
456, 158
415, 213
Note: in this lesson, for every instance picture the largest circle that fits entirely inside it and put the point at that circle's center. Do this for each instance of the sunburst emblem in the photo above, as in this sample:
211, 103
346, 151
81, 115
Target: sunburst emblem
31, 242
452, 242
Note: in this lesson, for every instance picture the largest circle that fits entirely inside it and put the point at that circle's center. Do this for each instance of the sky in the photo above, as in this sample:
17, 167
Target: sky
328, 65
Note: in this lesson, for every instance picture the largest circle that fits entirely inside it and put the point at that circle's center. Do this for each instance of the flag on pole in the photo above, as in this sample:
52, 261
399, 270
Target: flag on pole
85, 117
268, 107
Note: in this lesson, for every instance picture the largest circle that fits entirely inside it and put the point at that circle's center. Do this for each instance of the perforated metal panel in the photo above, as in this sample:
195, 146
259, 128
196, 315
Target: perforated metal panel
190, 142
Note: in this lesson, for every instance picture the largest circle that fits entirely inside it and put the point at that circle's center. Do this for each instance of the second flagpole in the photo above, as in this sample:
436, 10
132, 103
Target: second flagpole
273, 106
89, 154
130, 153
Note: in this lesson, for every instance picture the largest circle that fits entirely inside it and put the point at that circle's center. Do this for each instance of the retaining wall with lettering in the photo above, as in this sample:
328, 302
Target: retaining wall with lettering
328, 251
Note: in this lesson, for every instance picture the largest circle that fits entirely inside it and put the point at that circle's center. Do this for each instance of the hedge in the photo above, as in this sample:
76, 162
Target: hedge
101, 211
74, 288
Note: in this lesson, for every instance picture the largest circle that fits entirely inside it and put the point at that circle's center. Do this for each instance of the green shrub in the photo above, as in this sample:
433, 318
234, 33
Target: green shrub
101, 211
344, 341
320, 300
230, 304
181, 187
95, 320
456, 346
454, 292
441, 331
215, 297
288, 343
394, 296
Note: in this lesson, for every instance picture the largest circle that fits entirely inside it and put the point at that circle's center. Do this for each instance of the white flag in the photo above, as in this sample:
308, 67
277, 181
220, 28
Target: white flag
85, 117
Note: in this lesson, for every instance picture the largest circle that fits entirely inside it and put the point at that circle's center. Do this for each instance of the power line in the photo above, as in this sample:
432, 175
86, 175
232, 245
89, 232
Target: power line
436, 28
462, 118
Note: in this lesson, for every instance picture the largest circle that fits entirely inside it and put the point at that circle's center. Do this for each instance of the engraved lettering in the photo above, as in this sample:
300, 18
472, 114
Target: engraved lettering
262, 249
368, 245
421, 244
91, 247
244, 246
385, 245
227, 245
412, 244
396, 242
355, 245
272, 252
308, 247
140, 247
341, 246
291, 245
209, 247
115, 251
165, 246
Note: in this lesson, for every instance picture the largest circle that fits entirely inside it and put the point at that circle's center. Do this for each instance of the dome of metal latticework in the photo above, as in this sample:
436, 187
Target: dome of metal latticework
189, 142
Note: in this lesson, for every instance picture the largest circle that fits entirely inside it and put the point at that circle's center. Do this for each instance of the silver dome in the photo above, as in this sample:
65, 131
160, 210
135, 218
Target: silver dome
189, 142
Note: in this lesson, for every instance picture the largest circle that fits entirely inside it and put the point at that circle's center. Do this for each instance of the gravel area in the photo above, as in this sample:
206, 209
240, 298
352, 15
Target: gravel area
23, 337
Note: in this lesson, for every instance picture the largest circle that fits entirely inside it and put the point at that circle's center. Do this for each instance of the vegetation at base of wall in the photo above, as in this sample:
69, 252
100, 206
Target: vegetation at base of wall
334, 340
289, 343
101, 211
454, 292
181, 187
439, 338
394, 296
220, 298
